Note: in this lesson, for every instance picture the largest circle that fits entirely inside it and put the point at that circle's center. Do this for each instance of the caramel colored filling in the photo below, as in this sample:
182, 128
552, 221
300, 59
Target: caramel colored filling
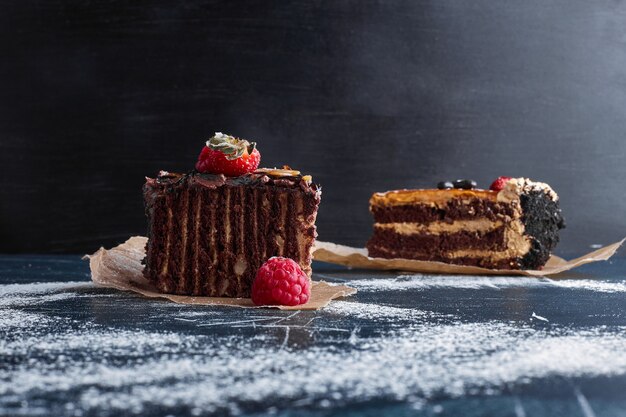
481, 225
429, 197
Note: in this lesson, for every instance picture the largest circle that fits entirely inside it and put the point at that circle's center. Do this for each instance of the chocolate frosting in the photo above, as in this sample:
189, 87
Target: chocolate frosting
169, 181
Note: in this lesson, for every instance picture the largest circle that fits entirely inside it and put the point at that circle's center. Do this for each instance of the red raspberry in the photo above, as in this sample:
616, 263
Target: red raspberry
280, 281
224, 154
499, 183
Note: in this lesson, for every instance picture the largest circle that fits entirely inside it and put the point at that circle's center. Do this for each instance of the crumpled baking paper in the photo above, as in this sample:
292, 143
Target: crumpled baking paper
121, 268
357, 258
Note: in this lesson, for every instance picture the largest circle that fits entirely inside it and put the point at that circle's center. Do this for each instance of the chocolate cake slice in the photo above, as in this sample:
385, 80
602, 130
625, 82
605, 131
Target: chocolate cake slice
513, 228
209, 234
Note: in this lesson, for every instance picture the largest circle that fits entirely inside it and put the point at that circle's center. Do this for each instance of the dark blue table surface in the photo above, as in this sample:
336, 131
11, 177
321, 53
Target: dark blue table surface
405, 345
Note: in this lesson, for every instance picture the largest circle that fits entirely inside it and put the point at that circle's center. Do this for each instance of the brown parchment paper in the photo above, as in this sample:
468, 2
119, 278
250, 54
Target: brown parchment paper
357, 258
121, 268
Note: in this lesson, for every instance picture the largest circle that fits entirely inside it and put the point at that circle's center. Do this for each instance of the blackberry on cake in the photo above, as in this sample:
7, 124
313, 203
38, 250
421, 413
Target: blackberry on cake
210, 232
514, 225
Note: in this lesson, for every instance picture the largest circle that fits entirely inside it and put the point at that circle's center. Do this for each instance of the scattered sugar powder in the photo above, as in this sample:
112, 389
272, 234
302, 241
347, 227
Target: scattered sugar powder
424, 282
40, 292
13, 318
41, 287
380, 312
421, 362
105, 370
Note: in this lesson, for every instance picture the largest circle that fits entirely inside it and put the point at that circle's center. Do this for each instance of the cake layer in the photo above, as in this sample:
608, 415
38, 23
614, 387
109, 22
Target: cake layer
425, 196
483, 259
493, 240
209, 234
448, 211
404, 228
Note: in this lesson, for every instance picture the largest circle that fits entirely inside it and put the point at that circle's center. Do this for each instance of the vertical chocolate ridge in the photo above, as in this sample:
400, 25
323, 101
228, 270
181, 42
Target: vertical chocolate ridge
221, 226
262, 219
156, 244
236, 231
166, 281
175, 232
182, 226
208, 239
251, 215
279, 226
231, 284
189, 252
310, 207
197, 246
272, 226
291, 241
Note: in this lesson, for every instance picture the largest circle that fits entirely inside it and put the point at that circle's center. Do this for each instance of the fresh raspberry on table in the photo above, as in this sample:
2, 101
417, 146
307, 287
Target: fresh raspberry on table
228, 155
499, 183
280, 281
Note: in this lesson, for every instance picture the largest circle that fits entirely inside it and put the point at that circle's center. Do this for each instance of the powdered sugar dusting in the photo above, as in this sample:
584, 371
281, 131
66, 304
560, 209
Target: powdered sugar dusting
423, 282
377, 311
225, 361
418, 362
12, 318
37, 293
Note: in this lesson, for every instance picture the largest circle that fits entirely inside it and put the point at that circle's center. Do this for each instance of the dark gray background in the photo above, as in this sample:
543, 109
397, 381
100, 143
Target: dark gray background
365, 95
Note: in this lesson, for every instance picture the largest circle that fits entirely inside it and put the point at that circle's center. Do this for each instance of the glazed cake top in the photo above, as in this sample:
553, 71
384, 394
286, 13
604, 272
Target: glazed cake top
511, 191
283, 178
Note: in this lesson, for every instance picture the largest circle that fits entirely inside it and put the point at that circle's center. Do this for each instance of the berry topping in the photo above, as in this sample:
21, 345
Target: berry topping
228, 155
445, 185
499, 183
465, 184
280, 281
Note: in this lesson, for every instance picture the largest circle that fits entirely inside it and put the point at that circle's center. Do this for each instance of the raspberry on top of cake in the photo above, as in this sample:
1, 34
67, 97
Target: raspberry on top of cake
210, 230
513, 225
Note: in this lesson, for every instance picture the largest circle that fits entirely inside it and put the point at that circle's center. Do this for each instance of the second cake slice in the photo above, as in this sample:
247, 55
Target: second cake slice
515, 227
